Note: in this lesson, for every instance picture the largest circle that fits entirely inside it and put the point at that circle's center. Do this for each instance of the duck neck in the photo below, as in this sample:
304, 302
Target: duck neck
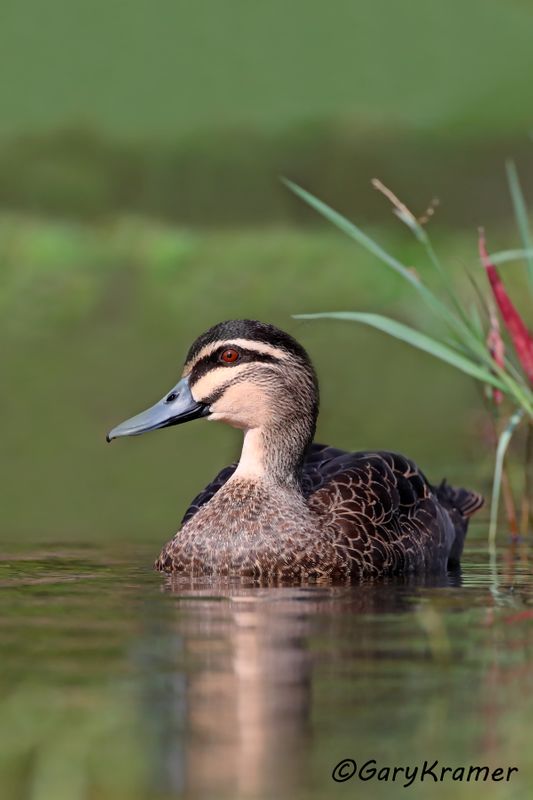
273, 456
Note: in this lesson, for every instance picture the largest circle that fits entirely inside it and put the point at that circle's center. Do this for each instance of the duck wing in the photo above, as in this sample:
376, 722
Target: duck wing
384, 514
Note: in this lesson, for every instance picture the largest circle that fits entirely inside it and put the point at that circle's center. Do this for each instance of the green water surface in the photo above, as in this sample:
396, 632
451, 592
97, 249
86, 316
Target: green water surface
118, 683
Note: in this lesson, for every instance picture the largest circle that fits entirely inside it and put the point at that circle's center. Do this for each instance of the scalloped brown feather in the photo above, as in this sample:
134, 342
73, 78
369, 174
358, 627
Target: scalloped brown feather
359, 514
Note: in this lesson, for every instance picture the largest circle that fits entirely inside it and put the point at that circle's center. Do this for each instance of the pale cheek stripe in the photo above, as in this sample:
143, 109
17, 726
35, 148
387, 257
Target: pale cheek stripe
217, 378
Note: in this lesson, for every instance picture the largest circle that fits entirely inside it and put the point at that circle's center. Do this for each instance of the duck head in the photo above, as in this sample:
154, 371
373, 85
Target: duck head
252, 376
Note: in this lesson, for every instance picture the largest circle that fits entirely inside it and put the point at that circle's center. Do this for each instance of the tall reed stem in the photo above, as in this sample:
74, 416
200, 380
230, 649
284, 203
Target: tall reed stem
526, 515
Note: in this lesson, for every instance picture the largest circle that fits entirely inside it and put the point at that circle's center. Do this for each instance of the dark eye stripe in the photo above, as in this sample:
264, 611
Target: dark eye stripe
216, 395
205, 364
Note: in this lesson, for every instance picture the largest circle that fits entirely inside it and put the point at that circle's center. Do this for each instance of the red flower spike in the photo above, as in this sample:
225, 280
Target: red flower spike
521, 337
496, 349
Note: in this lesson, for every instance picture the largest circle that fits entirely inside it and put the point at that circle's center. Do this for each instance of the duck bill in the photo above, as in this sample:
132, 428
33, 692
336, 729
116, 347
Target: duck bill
176, 407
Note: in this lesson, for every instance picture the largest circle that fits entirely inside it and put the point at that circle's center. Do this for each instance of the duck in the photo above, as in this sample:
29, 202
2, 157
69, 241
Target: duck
291, 509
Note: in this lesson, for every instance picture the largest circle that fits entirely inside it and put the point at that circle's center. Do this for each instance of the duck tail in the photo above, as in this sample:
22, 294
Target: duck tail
460, 504
461, 500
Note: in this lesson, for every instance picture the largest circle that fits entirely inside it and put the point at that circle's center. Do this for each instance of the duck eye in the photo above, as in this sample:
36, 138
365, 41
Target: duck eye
229, 356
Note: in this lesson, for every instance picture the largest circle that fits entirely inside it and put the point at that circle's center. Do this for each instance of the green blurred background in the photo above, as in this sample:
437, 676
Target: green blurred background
141, 146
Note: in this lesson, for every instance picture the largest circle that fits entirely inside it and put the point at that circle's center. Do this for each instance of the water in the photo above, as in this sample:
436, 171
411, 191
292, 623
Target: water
118, 683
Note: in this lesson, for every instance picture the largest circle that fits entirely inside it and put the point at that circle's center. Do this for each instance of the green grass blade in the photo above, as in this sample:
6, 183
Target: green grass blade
468, 335
522, 218
492, 373
415, 338
401, 211
353, 232
441, 272
504, 256
477, 324
459, 324
503, 444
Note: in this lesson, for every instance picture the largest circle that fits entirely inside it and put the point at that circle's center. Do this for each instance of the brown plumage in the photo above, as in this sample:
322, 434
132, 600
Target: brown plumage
291, 509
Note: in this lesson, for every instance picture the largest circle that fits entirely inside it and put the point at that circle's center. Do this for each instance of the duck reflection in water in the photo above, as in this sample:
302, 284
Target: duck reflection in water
245, 715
